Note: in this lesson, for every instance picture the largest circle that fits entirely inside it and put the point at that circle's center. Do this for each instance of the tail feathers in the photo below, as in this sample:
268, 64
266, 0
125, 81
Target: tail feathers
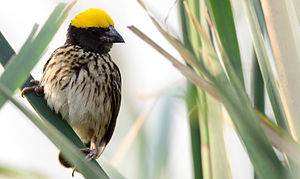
100, 149
63, 161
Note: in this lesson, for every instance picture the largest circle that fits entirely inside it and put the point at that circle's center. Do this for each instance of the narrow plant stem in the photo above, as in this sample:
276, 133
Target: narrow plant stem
258, 90
192, 104
204, 134
195, 134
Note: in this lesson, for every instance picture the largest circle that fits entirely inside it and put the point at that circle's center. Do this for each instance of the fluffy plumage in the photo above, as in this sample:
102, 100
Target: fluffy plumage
85, 87
82, 83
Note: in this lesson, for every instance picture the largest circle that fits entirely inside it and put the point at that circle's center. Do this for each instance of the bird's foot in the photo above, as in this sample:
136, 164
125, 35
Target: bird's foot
91, 154
37, 88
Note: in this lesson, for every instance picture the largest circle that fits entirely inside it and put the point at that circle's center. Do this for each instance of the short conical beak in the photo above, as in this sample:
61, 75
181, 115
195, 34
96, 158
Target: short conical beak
112, 36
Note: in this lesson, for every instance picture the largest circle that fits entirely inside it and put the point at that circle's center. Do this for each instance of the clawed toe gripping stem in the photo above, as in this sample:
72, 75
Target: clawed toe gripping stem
91, 154
37, 88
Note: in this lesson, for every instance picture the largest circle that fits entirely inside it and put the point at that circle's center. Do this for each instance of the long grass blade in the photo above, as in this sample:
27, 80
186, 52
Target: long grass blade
232, 96
219, 162
195, 100
88, 169
235, 95
193, 38
265, 66
32, 50
190, 74
284, 32
281, 135
193, 114
257, 82
6, 52
221, 14
257, 85
204, 133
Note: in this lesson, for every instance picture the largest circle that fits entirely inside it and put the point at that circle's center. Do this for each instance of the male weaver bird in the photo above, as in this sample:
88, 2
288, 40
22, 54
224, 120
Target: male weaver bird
82, 83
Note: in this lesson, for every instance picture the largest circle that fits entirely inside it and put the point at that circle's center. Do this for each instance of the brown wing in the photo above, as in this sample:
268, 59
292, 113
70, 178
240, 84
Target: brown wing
116, 101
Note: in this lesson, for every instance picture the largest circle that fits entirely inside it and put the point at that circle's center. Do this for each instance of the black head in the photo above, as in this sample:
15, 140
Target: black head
99, 40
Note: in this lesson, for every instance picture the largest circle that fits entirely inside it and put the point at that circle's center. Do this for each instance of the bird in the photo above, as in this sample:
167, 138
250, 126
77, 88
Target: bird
82, 82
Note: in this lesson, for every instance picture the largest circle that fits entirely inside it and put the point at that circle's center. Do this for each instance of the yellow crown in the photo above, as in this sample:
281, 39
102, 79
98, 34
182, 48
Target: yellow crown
92, 18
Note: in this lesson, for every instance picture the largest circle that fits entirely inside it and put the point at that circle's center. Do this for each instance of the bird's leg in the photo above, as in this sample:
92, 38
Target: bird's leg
92, 153
37, 88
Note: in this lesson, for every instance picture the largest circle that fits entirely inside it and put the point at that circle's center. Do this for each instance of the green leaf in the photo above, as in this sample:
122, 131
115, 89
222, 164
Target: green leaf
32, 50
88, 169
284, 32
193, 38
6, 52
192, 95
265, 65
246, 122
186, 71
221, 14
204, 133
279, 138
211, 142
219, 162
238, 105
245, 119
257, 85
284, 35
192, 106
